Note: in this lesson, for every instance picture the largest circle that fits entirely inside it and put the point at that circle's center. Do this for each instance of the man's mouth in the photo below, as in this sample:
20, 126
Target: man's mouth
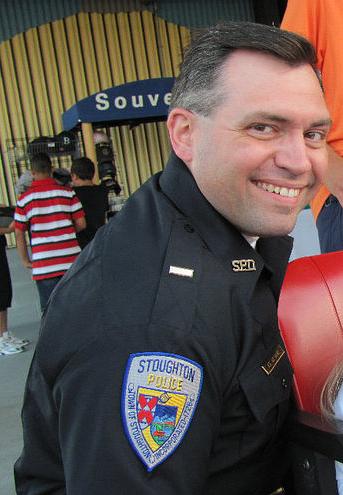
282, 191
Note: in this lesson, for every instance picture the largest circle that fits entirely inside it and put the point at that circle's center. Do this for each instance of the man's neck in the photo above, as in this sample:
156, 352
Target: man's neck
81, 182
38, 176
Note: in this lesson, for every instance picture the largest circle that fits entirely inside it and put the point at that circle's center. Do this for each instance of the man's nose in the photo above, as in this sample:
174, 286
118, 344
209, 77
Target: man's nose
293, 155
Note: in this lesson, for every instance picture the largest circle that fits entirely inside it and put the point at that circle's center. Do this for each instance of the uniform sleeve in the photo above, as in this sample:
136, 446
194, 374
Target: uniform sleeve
75, 430
42, 467
39, 468
135, 386
308, 19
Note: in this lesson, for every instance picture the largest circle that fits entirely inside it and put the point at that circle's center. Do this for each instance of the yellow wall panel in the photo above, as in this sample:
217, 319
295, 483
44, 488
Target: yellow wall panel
129, 157
41, 102
63, 65
87, 49
114, 50
163, 45
100, 47
154, 148
176, 42
6, 185
164, 141
75, 51
23, 73
11, 85
152, 48
185, 36
143, 158
51, 78
125, 37
49, 68
139, 51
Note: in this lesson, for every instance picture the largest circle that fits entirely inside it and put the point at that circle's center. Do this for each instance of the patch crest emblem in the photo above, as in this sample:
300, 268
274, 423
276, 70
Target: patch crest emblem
159, 397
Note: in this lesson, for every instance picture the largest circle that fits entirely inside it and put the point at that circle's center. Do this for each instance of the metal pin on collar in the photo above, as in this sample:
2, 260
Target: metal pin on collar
181, 272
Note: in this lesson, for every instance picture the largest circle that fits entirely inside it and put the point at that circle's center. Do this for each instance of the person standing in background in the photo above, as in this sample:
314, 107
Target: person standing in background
321, 22
9, 344
94, 198
53, 214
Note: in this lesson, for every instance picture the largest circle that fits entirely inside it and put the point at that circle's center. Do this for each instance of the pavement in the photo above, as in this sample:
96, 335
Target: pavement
23, 321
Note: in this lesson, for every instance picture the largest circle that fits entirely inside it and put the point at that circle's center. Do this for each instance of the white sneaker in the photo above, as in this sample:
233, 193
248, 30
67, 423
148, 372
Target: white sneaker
13, 340
8, 349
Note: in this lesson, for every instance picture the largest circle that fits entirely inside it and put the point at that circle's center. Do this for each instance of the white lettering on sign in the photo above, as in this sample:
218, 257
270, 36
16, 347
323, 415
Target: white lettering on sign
136, 101
139, 103
167, 98
153, 99
120, 102
102, 101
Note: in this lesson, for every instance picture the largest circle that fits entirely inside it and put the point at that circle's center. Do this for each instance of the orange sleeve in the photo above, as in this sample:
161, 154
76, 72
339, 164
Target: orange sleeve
307, 17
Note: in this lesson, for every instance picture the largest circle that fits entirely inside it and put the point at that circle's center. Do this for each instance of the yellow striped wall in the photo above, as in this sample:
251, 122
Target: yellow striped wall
46, 69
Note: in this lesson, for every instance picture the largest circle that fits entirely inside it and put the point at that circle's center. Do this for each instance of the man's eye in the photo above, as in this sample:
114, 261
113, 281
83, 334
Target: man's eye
262, 129
316, 136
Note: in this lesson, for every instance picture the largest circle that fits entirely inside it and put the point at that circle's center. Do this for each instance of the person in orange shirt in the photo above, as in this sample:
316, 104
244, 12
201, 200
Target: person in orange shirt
321, 22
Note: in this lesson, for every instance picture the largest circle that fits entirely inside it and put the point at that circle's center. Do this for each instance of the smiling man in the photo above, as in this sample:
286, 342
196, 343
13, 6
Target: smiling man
171, 376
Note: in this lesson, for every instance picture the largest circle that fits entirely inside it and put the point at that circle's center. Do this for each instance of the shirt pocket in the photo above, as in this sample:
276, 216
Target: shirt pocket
267, 389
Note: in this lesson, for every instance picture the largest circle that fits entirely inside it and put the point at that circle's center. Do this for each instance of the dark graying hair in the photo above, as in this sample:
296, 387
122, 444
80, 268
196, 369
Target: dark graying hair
196, 90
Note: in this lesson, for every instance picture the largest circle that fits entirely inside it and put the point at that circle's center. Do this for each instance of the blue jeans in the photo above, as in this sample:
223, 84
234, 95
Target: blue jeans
330, 226
45, 287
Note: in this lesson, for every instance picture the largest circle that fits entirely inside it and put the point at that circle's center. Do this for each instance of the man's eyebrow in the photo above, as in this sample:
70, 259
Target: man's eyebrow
265, 116
282, 120
322, 123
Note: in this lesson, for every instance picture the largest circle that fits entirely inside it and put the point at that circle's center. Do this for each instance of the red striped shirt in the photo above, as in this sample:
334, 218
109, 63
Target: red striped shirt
48, 210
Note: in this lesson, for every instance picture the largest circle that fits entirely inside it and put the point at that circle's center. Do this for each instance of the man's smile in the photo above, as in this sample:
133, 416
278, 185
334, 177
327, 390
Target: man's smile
282, 191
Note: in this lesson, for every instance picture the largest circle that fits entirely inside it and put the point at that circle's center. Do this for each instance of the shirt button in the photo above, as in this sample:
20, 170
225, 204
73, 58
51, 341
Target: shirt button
284, 382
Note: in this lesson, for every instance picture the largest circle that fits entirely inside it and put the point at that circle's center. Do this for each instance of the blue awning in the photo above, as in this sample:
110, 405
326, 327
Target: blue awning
132, 103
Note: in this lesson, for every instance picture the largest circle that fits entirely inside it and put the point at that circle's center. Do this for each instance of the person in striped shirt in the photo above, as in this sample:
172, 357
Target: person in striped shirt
53, 214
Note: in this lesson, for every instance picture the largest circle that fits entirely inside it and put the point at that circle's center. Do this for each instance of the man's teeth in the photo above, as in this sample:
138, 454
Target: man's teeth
283, 191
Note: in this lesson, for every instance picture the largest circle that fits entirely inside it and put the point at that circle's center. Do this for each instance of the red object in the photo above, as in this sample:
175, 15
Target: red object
311, 323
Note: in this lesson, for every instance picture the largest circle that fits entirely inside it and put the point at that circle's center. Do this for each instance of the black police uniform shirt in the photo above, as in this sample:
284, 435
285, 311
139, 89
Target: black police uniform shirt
160, 367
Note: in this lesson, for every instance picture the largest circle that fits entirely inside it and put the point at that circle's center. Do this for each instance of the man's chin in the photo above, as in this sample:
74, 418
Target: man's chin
274, 229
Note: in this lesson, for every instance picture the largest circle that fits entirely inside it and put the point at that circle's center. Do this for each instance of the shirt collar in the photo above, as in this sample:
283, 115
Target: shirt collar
179, 185
44, 182
251, 240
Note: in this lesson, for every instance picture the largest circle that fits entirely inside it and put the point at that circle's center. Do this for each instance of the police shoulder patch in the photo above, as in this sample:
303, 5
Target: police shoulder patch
159, 397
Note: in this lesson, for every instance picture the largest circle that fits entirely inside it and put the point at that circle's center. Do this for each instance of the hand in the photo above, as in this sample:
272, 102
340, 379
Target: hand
7, 230
27, 264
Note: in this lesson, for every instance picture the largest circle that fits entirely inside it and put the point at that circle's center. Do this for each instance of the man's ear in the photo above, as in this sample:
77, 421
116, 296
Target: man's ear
180, 125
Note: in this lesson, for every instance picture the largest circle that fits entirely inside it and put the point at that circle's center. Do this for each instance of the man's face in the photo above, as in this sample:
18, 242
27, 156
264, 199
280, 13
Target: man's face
261, 155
